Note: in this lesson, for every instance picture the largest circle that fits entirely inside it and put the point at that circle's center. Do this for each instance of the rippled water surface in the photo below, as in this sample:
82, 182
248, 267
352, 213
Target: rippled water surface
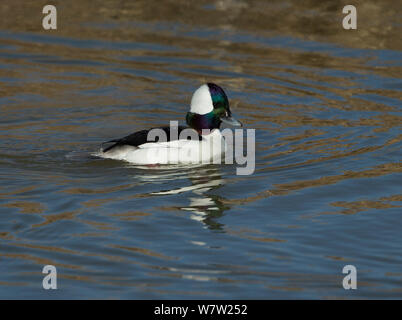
326, 191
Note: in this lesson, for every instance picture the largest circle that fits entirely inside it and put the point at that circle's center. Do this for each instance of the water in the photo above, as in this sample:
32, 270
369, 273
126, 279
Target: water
326, 192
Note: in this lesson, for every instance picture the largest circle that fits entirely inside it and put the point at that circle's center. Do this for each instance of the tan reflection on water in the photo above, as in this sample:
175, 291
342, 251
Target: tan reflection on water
285, 188
26, 206
51, 218
38, 260
353, 207
131, 216
321, 20
251, 234
144, 251
375, 172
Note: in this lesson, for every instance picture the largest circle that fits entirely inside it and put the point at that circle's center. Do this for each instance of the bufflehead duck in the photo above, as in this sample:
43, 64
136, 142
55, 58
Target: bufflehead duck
200, 142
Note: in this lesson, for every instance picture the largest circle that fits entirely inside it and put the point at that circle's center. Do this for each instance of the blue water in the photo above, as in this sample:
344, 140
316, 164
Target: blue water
326, 191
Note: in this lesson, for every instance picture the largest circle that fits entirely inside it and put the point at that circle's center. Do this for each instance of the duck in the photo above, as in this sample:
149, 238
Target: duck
201, 141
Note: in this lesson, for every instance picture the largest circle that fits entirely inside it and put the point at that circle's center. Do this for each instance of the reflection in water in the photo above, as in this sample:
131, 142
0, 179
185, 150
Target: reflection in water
207, 210
204, 207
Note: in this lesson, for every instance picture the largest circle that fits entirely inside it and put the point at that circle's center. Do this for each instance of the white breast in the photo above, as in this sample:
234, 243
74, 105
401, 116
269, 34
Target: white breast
208, 150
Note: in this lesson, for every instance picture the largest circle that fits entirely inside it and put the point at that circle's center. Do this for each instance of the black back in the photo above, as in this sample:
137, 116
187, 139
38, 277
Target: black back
140, 137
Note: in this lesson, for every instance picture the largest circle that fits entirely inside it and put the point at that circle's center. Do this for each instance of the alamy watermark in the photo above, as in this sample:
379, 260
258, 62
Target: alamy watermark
350, 20
350, 280
49, 22
187, 147
50, 280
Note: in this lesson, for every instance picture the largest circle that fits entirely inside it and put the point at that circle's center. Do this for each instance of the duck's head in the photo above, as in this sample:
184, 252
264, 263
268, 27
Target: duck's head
209, 108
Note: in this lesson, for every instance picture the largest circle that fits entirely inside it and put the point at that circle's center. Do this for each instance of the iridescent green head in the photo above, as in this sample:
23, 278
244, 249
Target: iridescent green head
209, 108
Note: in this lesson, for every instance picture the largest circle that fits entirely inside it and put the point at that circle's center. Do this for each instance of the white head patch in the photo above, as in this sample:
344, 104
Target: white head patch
201, 102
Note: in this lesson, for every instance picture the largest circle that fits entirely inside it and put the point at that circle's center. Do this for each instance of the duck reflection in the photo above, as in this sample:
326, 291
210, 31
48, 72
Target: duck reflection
203, 206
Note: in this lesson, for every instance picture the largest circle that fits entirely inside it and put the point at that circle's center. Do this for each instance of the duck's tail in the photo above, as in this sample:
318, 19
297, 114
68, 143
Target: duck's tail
114, 144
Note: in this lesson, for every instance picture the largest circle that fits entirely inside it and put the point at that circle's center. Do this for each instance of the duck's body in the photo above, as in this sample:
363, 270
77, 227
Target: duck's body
181, 151
201, 142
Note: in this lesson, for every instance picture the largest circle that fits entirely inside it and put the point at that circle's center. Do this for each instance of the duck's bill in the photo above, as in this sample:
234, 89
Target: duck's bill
231, 121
